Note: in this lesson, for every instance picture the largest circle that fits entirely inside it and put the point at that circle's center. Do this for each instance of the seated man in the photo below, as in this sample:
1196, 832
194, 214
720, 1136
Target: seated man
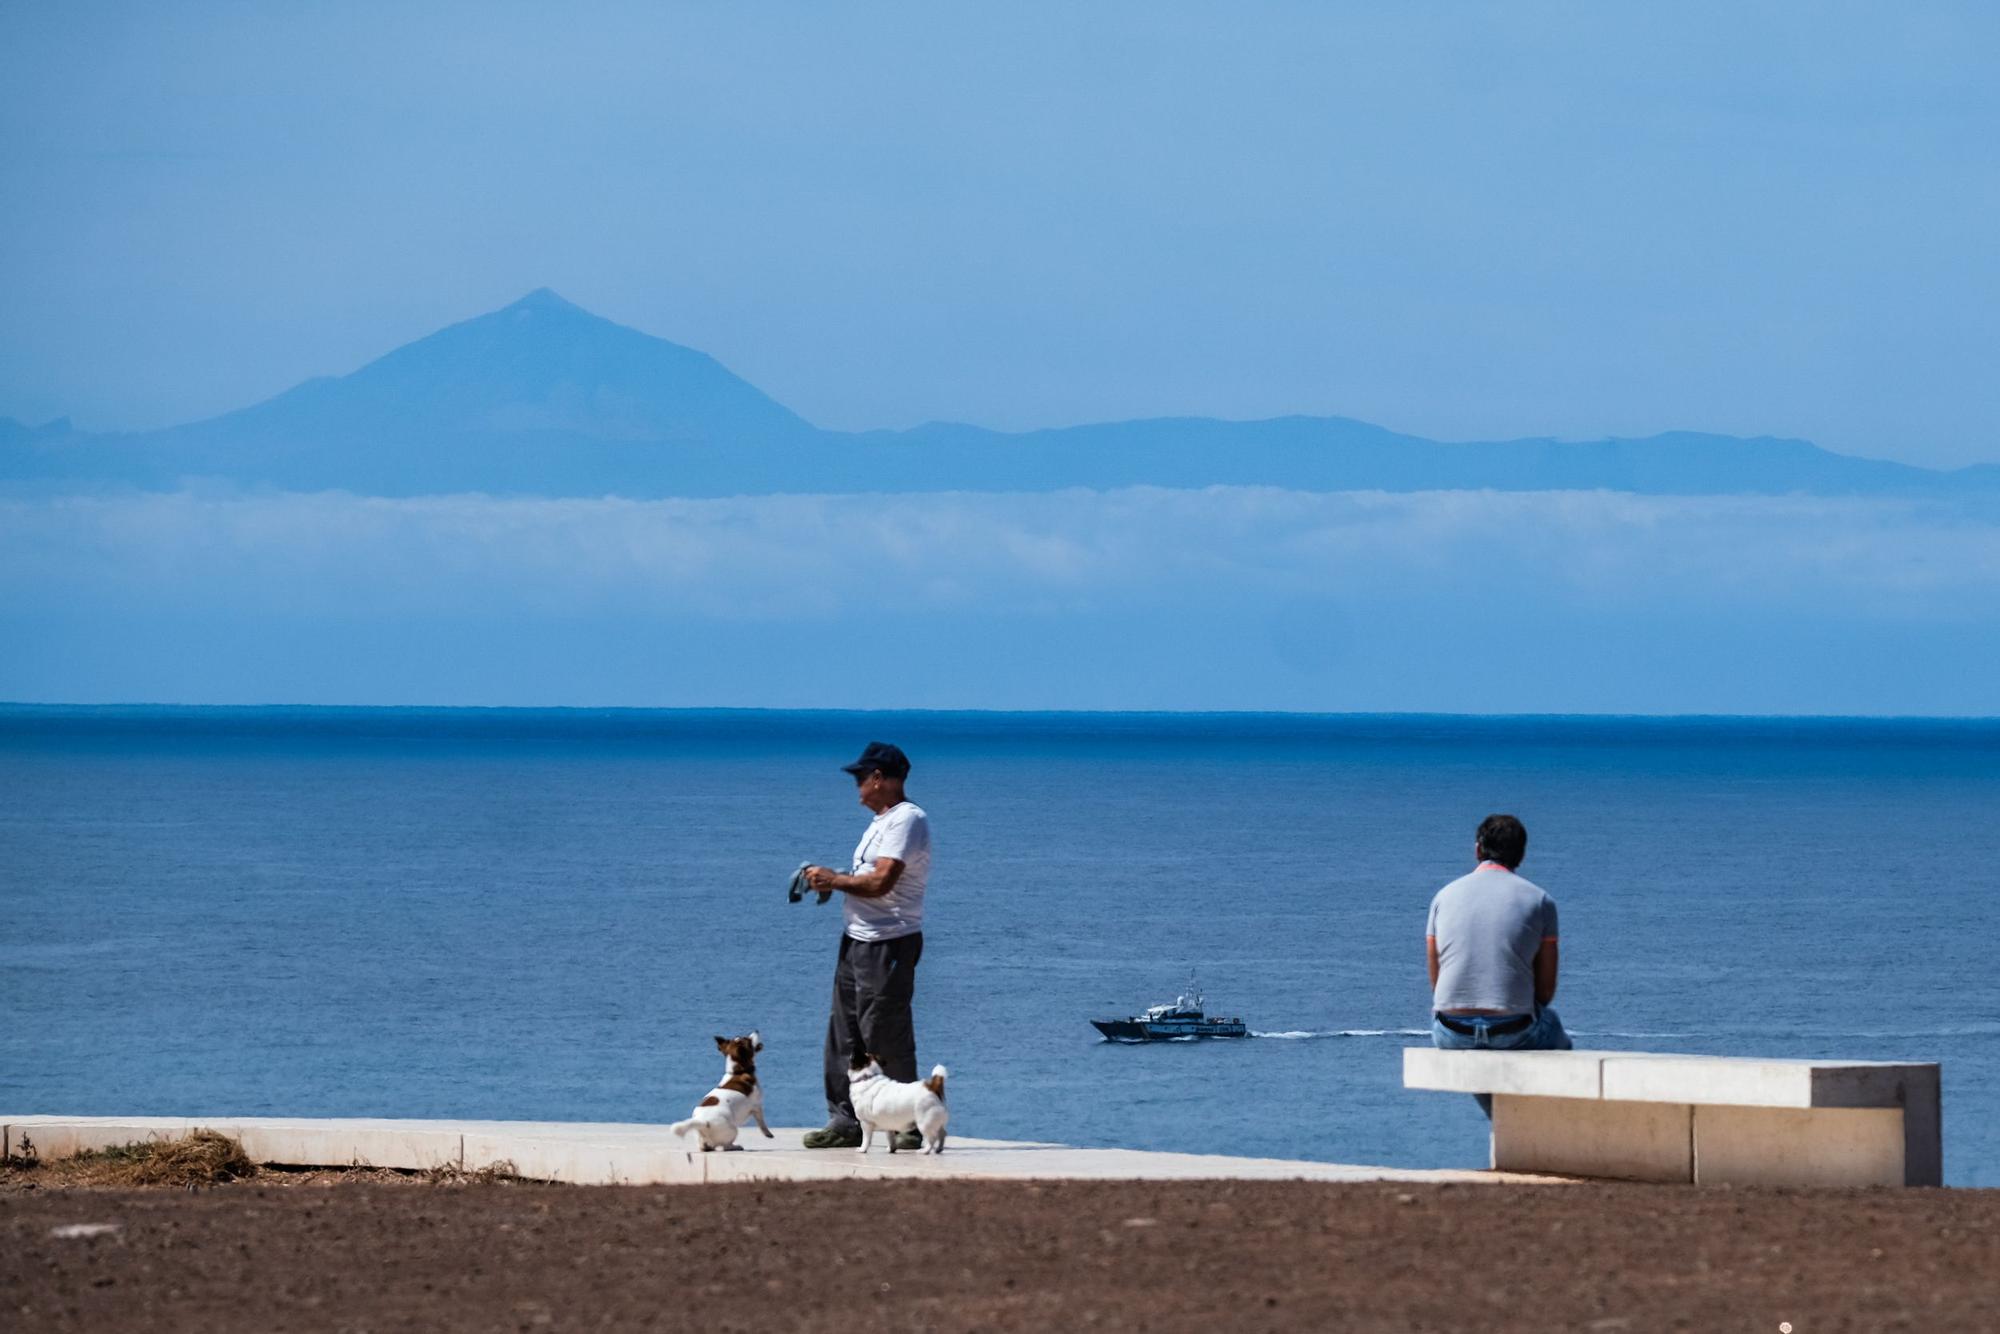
1491, 944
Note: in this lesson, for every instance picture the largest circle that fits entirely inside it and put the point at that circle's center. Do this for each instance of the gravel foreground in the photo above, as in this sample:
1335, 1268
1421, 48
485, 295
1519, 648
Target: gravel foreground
880, 1256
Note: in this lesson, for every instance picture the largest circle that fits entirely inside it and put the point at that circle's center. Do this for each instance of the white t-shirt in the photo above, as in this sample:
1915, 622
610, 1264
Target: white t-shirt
903, 832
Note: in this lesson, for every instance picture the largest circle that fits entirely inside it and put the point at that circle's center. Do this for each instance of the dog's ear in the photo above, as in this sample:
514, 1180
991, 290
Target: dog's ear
756, 1041
721, 1044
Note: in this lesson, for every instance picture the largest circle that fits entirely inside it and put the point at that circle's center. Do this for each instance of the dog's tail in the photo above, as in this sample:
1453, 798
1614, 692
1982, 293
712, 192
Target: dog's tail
936, 1082
682, 1127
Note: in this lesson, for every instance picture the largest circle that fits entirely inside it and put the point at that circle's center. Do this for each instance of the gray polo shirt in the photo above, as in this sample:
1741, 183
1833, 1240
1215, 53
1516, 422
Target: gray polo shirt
1488, 926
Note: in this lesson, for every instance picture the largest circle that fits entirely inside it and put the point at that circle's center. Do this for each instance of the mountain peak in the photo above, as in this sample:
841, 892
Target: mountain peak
542, 365
543, 300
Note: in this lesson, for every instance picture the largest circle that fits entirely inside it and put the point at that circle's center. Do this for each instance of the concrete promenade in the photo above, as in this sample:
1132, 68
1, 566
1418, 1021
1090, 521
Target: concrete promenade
594, 1154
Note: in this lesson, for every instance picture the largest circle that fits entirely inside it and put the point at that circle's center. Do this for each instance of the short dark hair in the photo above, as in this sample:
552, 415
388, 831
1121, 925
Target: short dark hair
1503, 839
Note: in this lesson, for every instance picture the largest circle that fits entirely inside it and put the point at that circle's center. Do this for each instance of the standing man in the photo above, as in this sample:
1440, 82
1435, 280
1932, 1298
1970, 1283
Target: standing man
875, 975
1491, 946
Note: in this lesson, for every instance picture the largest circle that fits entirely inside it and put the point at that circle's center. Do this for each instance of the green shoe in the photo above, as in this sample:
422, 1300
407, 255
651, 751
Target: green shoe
834, 1137
909, 1140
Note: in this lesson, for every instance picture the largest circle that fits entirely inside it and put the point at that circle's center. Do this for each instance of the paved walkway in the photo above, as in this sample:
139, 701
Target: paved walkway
611, 1154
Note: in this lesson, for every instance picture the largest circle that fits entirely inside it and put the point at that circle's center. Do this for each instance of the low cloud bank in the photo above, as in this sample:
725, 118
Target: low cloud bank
1247, 597
790, 556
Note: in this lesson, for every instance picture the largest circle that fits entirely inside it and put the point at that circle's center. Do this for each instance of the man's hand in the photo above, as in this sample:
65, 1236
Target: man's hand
873, 883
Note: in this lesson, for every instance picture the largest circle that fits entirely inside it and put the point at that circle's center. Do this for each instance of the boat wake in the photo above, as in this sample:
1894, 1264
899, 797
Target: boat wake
1299, 1034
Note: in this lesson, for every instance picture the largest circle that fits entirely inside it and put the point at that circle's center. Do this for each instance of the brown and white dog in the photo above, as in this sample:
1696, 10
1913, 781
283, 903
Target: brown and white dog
880, 1103
737, 1099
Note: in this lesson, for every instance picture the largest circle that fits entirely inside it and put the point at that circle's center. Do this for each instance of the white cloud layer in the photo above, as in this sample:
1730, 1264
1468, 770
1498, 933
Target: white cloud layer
791, 556
1223, 598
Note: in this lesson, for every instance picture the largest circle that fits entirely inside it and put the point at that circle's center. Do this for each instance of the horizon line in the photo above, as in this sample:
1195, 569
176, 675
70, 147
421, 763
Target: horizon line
19, 707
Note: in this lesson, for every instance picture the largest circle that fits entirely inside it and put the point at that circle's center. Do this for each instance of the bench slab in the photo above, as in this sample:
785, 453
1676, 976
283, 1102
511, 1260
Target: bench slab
1738, 1081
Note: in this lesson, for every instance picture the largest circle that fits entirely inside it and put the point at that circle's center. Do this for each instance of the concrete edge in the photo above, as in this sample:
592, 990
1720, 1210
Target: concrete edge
612, 1154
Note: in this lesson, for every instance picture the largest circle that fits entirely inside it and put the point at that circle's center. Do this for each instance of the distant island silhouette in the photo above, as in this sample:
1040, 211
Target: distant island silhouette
543, 398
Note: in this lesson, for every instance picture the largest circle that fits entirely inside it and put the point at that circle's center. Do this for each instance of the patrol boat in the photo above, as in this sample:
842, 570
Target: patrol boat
1182, 1019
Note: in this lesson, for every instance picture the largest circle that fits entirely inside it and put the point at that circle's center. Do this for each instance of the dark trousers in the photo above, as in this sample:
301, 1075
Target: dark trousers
873, 984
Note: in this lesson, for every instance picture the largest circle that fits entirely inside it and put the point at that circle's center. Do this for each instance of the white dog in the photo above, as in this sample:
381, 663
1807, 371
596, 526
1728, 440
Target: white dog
880, 1103
737, 1099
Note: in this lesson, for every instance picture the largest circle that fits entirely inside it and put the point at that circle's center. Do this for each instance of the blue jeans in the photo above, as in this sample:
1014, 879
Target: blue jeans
1545, 1034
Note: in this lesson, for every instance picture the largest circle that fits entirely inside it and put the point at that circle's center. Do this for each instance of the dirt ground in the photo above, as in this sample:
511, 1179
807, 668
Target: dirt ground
326, 1253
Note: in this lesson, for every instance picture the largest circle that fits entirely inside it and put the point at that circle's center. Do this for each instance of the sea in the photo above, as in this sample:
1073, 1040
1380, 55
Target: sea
548, 914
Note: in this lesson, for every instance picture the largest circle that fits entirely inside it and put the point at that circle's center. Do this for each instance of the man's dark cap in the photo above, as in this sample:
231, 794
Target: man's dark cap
880, 755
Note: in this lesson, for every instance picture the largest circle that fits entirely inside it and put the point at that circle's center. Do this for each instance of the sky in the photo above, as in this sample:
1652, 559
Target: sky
1459, 220
1463, 221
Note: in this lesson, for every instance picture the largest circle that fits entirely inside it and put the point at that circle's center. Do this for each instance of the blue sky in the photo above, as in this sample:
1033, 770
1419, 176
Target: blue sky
1462, 220
1459, 220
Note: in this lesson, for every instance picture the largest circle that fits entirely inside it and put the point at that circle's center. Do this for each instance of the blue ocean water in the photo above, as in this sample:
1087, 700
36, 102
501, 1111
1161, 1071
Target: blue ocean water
546, 914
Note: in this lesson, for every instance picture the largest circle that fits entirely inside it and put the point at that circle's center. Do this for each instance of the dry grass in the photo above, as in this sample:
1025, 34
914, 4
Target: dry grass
202, 1158
206, 1158
501, 1173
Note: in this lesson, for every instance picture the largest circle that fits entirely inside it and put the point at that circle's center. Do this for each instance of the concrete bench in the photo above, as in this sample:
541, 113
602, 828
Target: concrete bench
1642, 1116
